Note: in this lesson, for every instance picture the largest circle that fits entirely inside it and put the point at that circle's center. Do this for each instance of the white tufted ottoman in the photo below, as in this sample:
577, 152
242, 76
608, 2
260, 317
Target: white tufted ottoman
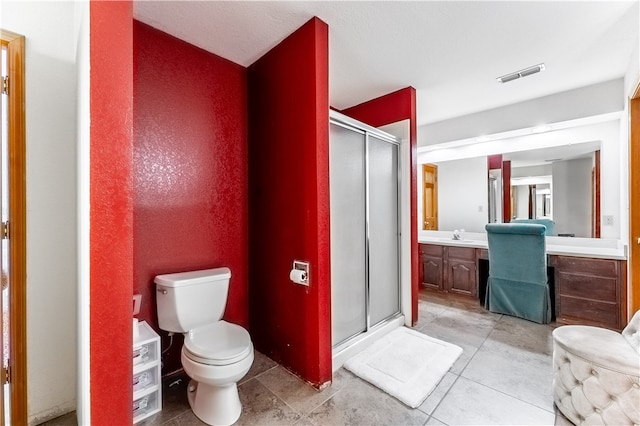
596, 377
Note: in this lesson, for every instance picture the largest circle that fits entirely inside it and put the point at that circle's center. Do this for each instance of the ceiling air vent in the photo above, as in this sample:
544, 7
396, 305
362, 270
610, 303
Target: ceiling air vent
522, 73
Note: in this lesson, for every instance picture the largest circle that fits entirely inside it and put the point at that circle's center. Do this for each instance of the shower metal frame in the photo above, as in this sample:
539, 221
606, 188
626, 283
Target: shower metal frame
362, 128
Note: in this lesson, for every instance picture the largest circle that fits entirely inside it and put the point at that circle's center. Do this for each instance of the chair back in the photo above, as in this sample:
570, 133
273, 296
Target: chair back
517, 251
518, 283
548, 223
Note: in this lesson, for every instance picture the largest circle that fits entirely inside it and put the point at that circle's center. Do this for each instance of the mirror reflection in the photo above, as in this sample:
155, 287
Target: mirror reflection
561, 182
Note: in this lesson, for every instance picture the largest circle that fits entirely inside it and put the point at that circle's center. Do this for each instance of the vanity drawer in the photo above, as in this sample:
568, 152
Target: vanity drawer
464, 253
587, 286
431, 250
577, 310
587, 266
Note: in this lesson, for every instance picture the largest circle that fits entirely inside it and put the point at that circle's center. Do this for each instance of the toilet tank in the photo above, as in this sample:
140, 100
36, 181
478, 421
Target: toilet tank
187, 300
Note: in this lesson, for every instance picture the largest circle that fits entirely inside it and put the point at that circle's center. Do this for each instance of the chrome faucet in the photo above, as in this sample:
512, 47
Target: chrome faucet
456, 234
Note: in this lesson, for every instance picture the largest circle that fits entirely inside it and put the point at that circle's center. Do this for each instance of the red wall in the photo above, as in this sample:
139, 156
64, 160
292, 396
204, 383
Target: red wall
111, 248
189, 170
387, 109
289, 202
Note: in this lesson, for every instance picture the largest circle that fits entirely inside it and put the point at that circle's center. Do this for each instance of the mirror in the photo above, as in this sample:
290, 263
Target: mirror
555, 181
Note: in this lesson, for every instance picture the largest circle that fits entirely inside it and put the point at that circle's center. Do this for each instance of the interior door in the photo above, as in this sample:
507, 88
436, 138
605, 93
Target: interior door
430, 197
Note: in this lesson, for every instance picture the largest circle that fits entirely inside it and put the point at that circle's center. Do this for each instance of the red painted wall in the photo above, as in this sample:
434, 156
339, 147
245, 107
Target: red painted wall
189, 170
111, 236
387, 109
506, 191
289, 202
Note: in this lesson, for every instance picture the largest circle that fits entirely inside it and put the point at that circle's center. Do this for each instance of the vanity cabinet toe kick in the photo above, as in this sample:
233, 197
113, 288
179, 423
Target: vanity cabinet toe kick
585, 290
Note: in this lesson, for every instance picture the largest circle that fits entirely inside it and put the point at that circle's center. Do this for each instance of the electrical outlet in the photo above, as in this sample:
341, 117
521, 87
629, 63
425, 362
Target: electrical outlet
608, 220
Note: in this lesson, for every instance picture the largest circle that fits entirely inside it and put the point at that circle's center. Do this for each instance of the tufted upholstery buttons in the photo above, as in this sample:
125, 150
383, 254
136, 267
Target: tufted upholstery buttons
594, 385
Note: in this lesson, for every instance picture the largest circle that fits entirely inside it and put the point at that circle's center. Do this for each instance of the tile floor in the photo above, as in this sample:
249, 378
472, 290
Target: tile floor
503, 377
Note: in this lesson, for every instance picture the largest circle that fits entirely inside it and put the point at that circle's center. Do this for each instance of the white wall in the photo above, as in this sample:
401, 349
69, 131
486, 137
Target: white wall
51, 95
572, 197
587, 101
83, 410
540, 170
462, 195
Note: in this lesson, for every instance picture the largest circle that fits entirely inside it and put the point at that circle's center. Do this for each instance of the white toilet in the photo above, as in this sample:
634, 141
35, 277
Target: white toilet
216, 354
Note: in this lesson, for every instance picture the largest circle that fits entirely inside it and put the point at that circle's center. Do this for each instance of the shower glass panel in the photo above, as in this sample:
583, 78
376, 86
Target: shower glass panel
348, 249
364, 182
384, 299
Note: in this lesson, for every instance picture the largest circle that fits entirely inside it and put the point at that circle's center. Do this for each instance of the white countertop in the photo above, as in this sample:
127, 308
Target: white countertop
598, 248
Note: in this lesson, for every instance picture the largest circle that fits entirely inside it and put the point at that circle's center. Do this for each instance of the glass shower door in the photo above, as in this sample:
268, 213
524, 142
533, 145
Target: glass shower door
348, 250
384, 297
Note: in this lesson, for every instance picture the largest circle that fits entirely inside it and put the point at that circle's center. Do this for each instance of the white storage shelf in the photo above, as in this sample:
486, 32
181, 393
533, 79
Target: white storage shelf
147, 383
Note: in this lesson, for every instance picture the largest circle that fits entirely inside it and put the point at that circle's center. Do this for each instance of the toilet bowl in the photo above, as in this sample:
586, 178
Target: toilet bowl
216, 354
216, 357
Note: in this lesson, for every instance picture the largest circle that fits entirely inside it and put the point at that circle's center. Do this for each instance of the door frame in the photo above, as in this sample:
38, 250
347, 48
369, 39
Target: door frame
349, 123
15, 44
634, 203
434, 197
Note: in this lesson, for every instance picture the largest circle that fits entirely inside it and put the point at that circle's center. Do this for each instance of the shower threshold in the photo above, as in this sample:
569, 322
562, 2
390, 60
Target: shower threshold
356, 344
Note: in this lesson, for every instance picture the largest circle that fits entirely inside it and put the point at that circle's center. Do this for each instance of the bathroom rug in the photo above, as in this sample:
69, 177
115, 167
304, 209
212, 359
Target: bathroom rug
405, 363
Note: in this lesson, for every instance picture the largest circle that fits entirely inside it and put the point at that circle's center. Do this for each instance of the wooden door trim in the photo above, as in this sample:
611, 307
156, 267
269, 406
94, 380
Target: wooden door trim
17, 218
634, 203
434, 198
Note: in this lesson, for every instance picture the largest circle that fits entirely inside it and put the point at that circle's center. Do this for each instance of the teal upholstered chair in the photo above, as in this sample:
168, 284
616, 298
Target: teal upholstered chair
518, 283
548, 223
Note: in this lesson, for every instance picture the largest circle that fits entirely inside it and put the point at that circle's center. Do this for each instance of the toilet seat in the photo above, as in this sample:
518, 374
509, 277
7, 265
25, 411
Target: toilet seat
219, 343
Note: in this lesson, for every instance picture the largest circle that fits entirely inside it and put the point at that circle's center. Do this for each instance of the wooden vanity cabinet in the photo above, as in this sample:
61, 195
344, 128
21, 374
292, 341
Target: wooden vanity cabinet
449, 269
431, 271
590, 291
460, 270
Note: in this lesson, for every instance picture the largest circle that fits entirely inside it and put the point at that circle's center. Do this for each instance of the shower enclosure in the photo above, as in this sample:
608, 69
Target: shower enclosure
365, 260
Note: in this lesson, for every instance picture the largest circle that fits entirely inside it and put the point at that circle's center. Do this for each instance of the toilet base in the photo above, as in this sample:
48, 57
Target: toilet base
215, 405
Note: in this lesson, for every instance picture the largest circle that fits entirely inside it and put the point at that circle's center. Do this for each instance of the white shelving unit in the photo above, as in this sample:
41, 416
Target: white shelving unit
147, 384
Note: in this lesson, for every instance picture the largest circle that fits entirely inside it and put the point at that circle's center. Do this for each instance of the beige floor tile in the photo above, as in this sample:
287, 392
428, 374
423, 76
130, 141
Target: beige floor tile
526, 376
470, 403
436, 396
359, 403
261, 407
295, 392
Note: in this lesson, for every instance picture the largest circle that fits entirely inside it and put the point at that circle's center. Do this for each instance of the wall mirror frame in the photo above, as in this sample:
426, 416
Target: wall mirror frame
582, 196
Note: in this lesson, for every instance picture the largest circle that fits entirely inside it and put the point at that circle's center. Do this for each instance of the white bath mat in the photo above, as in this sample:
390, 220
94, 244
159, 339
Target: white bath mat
405, 363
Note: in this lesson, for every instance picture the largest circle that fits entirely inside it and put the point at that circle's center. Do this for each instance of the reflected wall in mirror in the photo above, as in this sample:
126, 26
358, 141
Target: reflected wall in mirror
495, 195
558, 184
561, 175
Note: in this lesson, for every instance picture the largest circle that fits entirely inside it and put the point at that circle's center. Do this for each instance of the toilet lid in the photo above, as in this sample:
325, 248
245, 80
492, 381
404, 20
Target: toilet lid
220, 343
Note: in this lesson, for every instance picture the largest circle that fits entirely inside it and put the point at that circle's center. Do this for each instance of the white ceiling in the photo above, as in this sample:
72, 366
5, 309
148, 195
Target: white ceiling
450, 51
